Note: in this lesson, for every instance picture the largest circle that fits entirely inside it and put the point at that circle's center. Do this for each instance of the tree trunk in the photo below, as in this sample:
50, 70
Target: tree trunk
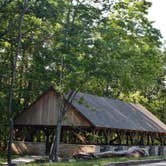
13, 76
65, 105
56, 140
58, 135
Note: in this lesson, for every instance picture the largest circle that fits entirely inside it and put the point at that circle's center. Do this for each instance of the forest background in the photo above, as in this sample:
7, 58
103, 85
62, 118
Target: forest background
109, 48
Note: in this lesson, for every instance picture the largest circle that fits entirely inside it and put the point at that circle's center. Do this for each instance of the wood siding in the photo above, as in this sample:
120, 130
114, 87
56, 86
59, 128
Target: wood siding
73, 117
44, 111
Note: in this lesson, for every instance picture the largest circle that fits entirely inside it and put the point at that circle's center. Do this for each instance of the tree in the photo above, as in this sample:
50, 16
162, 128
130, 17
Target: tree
13, 76
128, 50
107, 48
73, 62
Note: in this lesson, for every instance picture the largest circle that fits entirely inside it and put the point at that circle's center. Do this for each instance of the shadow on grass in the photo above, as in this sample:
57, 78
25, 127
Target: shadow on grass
94, 162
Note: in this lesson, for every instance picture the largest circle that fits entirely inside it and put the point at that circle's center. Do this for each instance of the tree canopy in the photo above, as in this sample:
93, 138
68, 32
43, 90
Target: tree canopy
108, 48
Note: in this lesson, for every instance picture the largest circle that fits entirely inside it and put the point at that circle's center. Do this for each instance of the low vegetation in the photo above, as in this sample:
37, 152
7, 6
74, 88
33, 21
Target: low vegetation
96, 162
3, 157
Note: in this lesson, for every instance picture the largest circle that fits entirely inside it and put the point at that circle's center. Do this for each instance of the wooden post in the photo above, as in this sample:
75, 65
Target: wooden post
47, 133
97, 133
152, 139
127, 139
108, 136
161, 147
148, 140
119, 138
38, 136
131, 138
32, 132
62, 134
161, 139
141, 139
94, 138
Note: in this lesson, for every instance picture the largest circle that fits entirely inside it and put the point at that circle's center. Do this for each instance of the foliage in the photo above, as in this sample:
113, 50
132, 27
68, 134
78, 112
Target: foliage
108, 48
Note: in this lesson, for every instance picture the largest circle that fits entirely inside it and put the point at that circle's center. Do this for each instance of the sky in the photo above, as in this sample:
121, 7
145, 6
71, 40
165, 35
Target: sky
157, 13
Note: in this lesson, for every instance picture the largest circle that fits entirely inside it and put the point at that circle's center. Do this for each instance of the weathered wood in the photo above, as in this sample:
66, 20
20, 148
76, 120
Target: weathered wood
106, 135
84, 155
148, 139
80, 137
141, 139
44, 112
131, 138
127, 138
69, 150
47, 135
31, 148
113, 140
119, 138
152, 139
161, 139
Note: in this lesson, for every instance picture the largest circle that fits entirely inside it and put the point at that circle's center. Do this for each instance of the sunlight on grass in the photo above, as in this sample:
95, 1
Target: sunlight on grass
95, 162
3, 158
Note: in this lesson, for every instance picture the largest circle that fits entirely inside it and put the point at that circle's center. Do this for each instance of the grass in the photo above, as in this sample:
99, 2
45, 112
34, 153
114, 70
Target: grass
95, 162
3, 157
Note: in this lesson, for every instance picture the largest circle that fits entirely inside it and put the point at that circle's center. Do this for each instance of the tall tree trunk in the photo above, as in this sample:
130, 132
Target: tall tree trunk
54, 155
56, 141
57, 134
64, 105
13, 77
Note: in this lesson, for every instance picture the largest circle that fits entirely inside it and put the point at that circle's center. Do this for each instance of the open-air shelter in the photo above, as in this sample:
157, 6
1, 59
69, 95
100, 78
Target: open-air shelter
90, 120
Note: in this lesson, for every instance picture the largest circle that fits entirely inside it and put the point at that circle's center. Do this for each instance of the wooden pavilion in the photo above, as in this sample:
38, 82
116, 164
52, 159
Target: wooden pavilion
90, 120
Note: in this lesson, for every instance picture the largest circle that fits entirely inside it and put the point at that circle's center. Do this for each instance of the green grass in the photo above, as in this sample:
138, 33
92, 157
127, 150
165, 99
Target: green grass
3, 157
94, 162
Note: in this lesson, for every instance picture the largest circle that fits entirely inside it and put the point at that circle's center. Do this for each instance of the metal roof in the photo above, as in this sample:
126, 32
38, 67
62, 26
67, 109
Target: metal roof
111, 113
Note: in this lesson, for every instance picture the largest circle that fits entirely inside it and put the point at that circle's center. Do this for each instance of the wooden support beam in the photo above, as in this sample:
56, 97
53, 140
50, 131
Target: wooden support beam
108, 134
80, 137
94, 141
152, 139
161, 139
113, 140
141, 139
127, 138
148, 139
119, 138
131, 138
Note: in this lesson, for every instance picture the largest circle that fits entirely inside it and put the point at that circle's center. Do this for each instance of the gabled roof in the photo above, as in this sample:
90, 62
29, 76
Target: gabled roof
111, 113
91, 110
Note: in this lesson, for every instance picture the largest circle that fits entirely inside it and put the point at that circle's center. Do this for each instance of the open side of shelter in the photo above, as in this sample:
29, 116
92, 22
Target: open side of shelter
91, 120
